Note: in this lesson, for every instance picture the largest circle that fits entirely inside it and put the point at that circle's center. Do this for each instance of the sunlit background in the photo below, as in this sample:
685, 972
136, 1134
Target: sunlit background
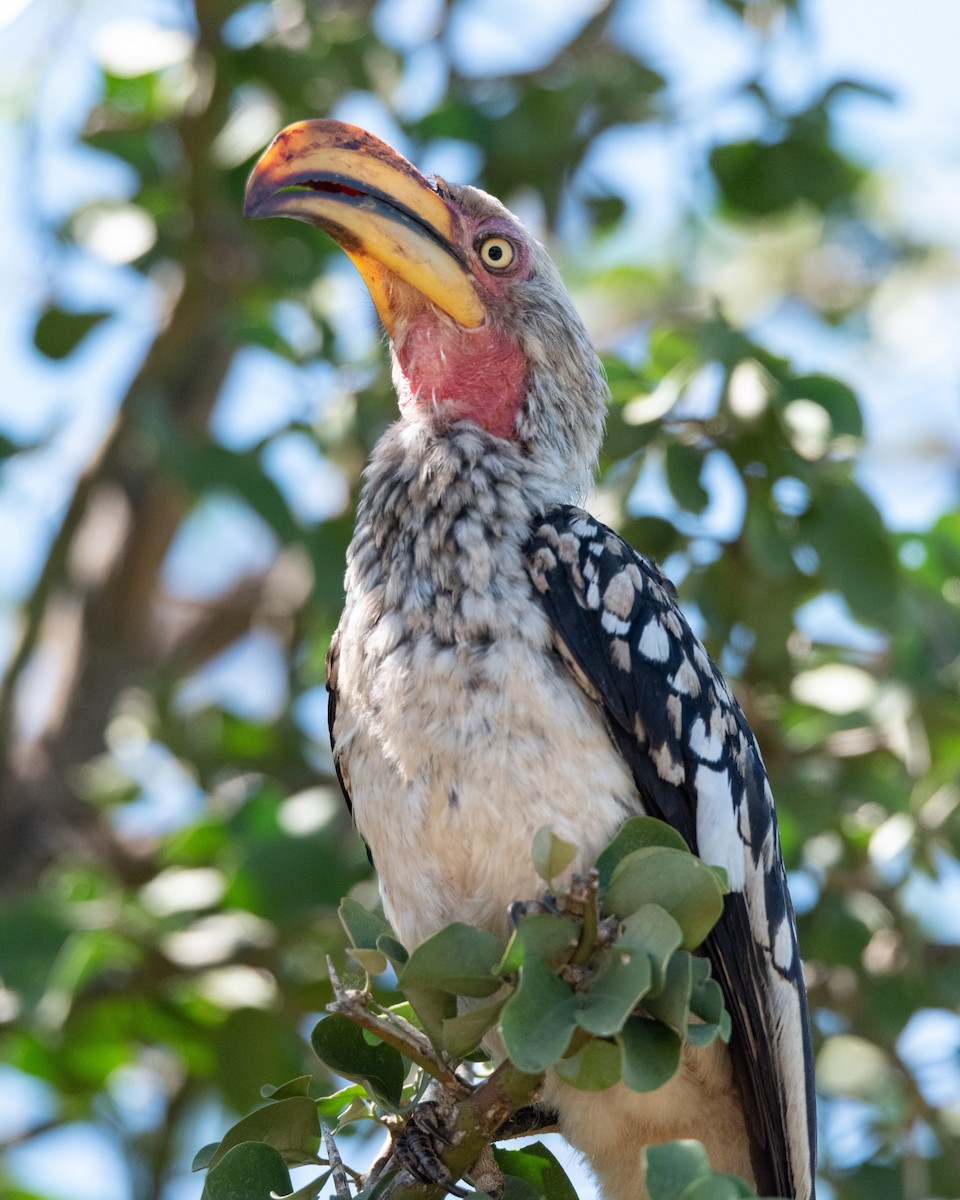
874, 301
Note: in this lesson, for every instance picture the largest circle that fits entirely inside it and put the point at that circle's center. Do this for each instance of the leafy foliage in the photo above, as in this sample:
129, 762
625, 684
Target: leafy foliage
598, 992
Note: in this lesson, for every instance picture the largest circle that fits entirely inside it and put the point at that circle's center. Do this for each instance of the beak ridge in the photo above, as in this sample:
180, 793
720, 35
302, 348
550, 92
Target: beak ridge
376, 205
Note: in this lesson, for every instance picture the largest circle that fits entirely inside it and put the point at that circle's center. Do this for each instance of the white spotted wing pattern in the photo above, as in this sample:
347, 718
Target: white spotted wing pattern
697, 766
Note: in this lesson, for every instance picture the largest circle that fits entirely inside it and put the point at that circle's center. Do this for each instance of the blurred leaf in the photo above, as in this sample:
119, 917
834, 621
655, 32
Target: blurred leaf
551, 854
684, 466
58, 333
252, 1045
835, 397
33, 929
759, 178
854, 549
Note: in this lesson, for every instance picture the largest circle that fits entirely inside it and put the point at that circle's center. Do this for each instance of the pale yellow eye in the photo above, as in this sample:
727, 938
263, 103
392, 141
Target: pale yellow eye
496, 253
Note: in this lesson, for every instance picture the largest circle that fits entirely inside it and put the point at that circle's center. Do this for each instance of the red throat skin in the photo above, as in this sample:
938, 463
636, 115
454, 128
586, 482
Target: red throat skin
447, 373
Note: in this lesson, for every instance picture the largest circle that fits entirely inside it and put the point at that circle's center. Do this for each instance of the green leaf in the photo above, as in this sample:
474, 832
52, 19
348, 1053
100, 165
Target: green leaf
717, 1187
310, 1190
594, 1068
835, 397
432, 1008
514, 1189
759, 178
393, 950
58, 333
291, 1127
671, 1004
252, 1045
463, 1033
677, 881
706, 1001
855, 550
536, 1166
372, 961
538, 1019
250, 1171
332, 1106
551, 855
672, 1166
650, 1054
362, 927
636, 833
459, 959
201, 1159
684, 467
340, 1043
539, 935
653, 930
293, 1087
624, 977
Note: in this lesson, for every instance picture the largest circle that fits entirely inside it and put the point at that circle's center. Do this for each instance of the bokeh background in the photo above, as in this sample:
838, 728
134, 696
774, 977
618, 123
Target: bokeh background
757, 206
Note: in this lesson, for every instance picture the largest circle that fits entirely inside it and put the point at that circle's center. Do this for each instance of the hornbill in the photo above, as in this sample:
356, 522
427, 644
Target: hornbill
505, 661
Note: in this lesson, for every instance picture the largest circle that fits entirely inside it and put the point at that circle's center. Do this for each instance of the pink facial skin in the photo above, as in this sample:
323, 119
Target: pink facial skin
448, 373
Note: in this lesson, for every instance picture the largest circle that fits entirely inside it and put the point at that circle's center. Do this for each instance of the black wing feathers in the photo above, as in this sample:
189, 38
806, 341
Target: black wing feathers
697, 766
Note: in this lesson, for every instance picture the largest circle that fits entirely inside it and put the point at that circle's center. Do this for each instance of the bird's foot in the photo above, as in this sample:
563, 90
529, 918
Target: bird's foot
523, 908
418, 1145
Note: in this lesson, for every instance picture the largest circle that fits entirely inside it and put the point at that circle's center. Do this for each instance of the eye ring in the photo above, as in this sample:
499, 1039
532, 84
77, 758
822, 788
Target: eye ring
496, 253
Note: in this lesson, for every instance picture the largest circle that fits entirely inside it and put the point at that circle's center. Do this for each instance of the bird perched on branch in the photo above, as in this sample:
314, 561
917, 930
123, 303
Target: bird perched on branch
505, 661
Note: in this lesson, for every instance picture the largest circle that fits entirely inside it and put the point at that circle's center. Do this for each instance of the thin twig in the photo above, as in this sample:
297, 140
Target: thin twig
396, 1032
338, 1174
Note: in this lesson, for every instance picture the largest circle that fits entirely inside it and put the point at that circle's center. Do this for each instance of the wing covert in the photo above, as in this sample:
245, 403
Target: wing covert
697, 766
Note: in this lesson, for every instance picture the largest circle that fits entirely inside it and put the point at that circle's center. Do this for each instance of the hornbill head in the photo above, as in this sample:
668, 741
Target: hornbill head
480, 324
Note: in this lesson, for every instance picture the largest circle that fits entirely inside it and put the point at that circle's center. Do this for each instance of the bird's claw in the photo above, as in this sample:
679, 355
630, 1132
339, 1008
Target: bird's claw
417, 1147
523, 908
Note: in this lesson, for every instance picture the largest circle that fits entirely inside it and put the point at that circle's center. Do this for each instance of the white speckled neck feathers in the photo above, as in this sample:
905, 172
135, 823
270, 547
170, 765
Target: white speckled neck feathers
436, 510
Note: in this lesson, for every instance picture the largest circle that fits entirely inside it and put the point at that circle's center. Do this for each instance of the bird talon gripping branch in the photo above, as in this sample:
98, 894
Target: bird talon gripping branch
417, 1147
506, 662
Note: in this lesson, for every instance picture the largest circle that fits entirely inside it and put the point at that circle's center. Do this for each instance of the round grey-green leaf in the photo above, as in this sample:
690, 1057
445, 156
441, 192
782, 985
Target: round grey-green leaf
594, 1068
677, 881
650, 1054
636, 833
538, 1019
459, 959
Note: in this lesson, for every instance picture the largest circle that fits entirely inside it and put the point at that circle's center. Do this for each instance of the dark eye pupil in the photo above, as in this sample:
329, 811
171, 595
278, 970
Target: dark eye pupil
495, 253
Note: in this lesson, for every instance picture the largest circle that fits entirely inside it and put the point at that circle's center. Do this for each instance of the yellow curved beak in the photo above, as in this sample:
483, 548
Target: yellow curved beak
377, 207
